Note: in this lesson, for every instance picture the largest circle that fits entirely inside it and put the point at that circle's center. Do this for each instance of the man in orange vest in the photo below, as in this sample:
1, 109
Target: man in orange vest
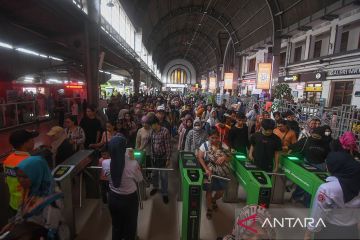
23, 143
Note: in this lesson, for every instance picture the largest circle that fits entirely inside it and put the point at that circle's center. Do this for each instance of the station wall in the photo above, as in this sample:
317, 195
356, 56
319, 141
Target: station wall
182, 64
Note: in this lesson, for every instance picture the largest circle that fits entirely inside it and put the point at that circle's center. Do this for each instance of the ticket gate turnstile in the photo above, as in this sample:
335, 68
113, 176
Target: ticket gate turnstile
191, 191
255, 182
307, 177
66, 175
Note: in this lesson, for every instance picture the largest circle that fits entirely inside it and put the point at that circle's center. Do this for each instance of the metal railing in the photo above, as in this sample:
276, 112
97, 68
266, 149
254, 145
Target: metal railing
21, 113
340, 119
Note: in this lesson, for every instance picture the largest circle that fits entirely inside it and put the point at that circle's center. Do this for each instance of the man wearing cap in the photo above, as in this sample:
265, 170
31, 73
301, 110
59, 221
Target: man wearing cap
61, 147
23, 143
160, 114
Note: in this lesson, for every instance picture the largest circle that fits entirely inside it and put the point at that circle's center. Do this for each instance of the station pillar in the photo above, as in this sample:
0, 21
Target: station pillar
136, 78
275, 60
92, 45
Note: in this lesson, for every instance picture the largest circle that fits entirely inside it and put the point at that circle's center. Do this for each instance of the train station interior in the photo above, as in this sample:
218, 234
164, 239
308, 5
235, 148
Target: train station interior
272, 79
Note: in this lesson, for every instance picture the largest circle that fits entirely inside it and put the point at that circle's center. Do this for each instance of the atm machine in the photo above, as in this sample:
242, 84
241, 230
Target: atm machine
69, 176
256, 182
191, 191
304, 175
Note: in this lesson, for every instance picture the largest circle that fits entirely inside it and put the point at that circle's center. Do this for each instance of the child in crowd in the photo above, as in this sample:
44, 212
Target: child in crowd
104, 181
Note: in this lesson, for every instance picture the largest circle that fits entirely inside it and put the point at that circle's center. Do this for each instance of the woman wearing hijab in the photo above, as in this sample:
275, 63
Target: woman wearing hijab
309, 128
212, 121
41, 205
183, 134
123, 172
336, 200
196, 137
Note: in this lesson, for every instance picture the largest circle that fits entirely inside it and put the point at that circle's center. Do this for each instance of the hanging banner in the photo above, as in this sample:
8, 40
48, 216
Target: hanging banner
228, 79
203, 84
263, 76
212, 83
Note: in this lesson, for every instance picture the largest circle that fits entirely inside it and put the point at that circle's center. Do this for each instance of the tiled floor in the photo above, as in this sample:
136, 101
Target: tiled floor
158, 221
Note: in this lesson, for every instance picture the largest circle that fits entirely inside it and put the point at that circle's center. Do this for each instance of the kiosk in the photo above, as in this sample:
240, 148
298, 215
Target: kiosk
191, 190
307, 177
256, 182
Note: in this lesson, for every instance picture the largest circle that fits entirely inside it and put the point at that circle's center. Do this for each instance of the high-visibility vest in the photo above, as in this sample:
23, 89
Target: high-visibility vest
15, 189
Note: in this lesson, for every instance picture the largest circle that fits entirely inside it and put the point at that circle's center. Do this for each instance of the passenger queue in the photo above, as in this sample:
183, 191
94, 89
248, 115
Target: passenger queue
152, 124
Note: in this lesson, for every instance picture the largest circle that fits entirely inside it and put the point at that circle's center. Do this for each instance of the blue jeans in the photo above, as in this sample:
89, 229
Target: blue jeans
164, 181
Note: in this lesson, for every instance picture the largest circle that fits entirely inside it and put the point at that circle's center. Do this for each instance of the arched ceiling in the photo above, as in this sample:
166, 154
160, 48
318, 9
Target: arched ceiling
197, 30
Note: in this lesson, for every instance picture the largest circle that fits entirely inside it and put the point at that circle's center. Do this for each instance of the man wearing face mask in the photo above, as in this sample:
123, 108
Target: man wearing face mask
265, 147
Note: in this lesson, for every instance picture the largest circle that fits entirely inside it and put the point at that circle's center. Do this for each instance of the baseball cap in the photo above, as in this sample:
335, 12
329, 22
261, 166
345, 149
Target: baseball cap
19, 137
160, 108
55, 130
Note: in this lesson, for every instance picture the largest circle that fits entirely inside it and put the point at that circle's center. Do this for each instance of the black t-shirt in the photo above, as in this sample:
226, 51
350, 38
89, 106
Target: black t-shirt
238, 138
314, 150
264, 150
91, 127
64, 151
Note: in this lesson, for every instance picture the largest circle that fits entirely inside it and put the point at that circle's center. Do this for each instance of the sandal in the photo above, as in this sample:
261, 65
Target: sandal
214, 206
209, 214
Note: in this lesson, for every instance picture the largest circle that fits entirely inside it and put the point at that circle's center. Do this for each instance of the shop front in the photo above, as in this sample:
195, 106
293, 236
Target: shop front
247, 86
305, 86
343, 85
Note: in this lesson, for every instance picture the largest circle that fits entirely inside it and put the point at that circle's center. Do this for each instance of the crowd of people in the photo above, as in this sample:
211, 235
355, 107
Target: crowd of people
151, 124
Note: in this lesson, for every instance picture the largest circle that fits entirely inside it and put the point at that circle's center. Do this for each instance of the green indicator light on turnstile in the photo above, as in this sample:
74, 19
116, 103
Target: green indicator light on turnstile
137, 154
293, 158
240, 156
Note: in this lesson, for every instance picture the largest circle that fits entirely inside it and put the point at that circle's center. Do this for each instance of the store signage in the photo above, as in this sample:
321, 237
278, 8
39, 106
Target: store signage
212, 83
228, 79
313, 89
348, 71
304, 77
248, 81
299, 87
74, 86
289, 78
263, 76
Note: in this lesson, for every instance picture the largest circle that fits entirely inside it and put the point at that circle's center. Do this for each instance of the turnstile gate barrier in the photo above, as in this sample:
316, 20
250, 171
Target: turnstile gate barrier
191, 191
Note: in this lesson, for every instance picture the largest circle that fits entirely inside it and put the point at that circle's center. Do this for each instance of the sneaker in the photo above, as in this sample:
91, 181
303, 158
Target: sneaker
153, 192
165, 199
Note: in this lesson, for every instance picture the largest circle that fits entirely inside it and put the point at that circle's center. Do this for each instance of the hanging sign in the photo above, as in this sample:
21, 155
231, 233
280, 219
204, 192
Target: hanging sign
212, 83
263, 76
203, 84
228, 79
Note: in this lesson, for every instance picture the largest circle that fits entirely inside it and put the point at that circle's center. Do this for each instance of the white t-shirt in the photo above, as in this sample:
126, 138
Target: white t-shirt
131, 175
203, 149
